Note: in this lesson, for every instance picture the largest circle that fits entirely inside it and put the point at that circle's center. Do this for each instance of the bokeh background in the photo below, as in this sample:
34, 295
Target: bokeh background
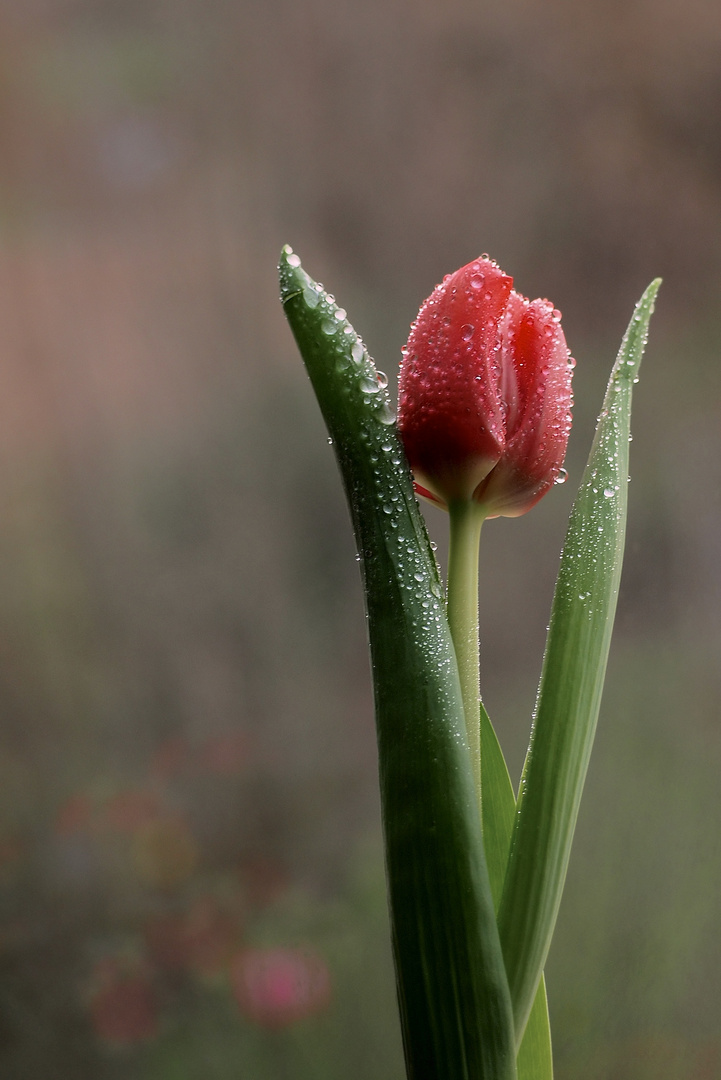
191, 878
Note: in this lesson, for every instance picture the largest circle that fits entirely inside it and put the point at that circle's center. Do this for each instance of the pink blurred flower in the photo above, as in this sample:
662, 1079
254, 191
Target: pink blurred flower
165, 852
166, 941
171, 758
124, 1006
225, 754
276, 987
202, 939
264, 880
131, 809
75, 815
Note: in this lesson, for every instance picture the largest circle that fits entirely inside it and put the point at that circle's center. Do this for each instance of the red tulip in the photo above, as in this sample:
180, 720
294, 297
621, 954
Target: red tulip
485, 393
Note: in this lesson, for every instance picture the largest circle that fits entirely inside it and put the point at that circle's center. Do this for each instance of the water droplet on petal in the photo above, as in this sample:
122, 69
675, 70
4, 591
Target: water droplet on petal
562, 476
369, 383
467, 331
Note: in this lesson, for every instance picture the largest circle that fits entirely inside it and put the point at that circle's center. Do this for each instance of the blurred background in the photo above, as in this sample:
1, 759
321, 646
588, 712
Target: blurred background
191, 878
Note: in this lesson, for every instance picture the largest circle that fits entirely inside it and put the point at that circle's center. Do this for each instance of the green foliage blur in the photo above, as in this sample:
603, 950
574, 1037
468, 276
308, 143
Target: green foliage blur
187, 757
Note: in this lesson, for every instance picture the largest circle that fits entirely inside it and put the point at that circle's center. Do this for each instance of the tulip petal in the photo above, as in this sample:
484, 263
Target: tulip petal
536, 383
571, 683
449, 400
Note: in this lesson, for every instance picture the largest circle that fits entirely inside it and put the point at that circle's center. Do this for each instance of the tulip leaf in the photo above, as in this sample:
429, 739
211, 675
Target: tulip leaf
452, 989
571, 683
535, 1060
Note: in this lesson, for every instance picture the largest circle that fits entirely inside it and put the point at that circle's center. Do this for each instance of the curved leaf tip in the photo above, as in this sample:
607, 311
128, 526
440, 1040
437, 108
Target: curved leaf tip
634, 340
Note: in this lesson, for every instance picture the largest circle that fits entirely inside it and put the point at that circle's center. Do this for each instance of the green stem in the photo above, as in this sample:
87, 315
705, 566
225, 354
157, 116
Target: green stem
466, 518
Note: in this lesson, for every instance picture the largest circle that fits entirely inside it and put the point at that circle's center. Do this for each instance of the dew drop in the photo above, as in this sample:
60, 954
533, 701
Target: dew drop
467, 331
328, 327
382, 380
385, 413
562, 476
369, 383
357, 352
608, 493
293, 260
311, 296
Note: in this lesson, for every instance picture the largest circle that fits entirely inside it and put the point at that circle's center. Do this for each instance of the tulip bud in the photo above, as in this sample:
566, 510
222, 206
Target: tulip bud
485, 393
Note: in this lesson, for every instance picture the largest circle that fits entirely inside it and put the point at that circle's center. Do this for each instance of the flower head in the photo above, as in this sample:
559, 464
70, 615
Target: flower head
276, 987
485, 393
123, 1003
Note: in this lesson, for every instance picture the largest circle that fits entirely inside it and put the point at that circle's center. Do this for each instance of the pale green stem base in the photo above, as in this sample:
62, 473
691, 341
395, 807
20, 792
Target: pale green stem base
466, 519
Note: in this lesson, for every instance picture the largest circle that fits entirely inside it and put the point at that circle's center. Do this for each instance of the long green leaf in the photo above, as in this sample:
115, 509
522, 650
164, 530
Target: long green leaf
453, 995
571, 684
535, 1060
